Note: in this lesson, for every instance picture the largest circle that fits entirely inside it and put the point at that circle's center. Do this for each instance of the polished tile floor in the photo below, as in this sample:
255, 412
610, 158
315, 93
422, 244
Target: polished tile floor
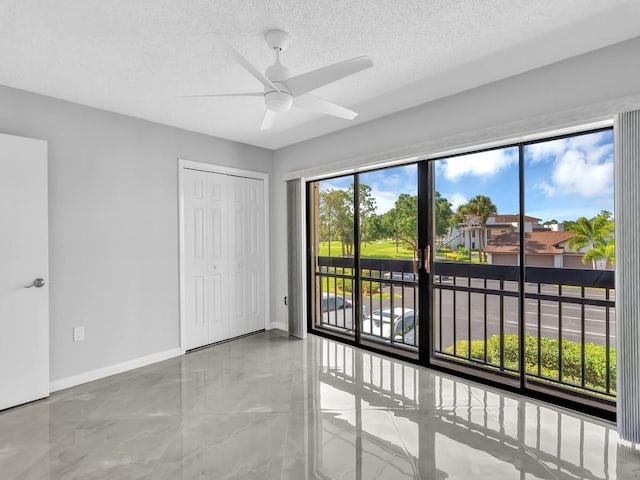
270, 407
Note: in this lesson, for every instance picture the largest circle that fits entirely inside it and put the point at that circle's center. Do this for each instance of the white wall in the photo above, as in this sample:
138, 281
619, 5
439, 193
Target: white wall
584, 88
113, 228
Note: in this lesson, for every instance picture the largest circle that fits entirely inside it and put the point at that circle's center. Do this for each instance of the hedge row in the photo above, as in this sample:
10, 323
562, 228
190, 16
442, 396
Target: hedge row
595, 358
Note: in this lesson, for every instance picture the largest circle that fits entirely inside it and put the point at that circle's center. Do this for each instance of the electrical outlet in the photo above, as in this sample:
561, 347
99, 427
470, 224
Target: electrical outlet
78, 334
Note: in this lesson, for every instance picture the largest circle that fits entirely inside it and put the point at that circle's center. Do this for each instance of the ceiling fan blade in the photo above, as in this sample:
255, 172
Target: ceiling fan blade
249, 67
311, 102
269, 119
248, 94
301, 84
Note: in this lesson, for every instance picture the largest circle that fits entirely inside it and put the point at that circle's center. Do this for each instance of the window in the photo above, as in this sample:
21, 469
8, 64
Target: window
495, 266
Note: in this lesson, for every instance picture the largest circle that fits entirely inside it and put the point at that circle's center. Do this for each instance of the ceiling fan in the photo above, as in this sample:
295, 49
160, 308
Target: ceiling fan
281, 92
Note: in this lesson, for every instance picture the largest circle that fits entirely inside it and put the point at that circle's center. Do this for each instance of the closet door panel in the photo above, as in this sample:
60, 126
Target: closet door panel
224, 256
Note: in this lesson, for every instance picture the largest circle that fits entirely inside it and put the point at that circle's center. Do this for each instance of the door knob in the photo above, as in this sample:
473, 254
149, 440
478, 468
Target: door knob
38, 283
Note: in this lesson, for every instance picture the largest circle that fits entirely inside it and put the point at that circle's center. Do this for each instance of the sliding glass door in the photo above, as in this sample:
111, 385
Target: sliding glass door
332, 233
363, 234
476, 198
569, 302
497, 263
389, 258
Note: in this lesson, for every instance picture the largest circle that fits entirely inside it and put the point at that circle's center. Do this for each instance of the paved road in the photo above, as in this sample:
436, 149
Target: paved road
471, 322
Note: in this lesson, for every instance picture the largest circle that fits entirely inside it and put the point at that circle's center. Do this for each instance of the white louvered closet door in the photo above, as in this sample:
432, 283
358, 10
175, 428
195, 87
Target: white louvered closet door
224, 256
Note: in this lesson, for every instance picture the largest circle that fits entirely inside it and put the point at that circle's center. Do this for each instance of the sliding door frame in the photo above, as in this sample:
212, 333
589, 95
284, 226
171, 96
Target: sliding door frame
426, 174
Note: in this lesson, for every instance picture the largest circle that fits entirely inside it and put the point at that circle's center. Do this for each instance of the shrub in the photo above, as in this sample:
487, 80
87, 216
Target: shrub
345, 284
595, 365
369, 289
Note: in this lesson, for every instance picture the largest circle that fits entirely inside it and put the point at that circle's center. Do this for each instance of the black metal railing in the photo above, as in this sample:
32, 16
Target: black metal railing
569, 322
389, 299
569, 316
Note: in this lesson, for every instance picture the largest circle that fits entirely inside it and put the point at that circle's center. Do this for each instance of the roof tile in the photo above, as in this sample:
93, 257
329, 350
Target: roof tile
536, 242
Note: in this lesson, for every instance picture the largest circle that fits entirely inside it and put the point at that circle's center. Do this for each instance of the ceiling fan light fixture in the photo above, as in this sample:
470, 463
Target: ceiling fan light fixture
278, 101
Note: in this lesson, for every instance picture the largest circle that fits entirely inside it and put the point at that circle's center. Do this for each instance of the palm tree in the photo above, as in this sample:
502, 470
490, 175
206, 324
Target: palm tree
601, 252
592, 233
482, 207
459, 218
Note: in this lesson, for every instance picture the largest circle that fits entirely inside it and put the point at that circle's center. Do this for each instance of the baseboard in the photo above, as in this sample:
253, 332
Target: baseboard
279, 325
103, 372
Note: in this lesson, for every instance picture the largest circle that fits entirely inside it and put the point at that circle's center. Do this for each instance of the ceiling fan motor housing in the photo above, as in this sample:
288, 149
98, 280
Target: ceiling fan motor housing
277, 72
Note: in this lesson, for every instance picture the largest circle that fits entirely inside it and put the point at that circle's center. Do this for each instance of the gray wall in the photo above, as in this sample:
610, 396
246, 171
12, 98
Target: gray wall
573, 91
113, 227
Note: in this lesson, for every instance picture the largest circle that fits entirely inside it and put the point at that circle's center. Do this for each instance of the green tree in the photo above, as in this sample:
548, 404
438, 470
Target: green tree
568, 225
406, 221
377, 228
388, 226
334, 217
594, 234
443, 213
384, 224
337, 216
367, 210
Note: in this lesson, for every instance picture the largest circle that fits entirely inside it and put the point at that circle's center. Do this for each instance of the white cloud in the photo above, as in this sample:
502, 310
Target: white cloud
539, 152
603, 152
580, 166
585, 142
480, 164
550, 151
327, 185
580, 173
394, 179
456, 199
385, 200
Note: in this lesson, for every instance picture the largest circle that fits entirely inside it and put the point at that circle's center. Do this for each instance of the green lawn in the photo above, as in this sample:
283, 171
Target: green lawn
341, 285
377, 249
387, 249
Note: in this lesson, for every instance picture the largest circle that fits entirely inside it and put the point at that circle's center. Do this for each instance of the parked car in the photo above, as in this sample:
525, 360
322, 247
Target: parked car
336, 310
403, 276
379, 324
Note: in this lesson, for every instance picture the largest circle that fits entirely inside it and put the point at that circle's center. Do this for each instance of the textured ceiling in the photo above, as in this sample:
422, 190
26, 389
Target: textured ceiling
137, 57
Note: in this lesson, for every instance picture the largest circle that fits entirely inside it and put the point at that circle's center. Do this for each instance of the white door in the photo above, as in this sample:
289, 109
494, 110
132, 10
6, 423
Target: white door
223, 255
247, 256
24, 312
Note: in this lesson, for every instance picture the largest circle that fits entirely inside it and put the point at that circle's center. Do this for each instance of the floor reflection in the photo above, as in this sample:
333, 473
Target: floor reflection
377, 417
270, 407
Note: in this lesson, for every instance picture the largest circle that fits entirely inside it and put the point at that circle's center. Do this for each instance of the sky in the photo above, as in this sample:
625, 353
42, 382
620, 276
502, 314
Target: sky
564, 179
